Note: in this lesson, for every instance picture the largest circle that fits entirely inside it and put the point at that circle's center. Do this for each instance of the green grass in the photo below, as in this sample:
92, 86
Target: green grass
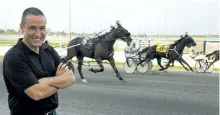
121, 64
54, 44
1, 57
9, 43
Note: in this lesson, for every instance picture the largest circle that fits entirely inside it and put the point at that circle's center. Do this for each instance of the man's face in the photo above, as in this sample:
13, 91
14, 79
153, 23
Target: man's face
34, 30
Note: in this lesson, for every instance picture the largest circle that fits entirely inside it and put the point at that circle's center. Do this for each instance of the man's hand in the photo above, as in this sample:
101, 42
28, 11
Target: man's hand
68, 73
64, 77
62, 68
68, 78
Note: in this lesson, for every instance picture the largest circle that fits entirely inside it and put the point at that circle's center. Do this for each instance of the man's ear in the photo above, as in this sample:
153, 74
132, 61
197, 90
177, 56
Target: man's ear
22, 28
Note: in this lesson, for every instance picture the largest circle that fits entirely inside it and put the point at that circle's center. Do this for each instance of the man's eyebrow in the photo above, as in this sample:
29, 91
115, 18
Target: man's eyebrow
31, 26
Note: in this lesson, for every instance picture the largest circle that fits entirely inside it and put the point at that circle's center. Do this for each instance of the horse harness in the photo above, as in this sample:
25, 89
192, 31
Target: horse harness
174, 49
166, 49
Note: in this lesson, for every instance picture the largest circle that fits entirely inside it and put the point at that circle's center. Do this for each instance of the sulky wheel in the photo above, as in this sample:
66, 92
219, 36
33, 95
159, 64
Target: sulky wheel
211, 68
150, 65
200, 66
130, 67
143, 67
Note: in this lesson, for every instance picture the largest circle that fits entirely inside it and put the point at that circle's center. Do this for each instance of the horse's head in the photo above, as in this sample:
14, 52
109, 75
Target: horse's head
121, 33
189, 41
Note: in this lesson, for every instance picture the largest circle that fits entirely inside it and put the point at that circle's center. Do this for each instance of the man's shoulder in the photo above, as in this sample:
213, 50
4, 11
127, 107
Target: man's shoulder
49, 48
13, 56
13, 51
46, 45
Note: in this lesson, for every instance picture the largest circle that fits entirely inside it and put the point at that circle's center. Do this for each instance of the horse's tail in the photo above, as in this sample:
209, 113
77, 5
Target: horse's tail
144, 50
72, 51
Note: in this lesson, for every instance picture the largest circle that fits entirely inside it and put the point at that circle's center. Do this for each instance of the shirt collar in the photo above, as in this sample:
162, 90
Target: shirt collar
23, 47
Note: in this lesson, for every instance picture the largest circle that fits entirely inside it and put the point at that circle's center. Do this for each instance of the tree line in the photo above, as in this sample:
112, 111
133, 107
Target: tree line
63, 33
17, 32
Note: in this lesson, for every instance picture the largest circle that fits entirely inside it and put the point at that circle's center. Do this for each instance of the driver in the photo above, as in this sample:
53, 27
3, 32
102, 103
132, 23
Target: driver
197, 56
192, 54
131, 51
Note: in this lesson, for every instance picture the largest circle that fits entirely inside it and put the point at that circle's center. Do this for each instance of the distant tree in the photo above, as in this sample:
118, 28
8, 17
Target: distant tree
11, 31
2, 31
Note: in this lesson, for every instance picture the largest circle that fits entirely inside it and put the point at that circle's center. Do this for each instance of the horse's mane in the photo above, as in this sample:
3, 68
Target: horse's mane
178, 41
103, 35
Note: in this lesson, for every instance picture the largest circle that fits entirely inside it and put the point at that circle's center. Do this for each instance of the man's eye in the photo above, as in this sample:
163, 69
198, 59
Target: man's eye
35, 28
43, 28
32, 28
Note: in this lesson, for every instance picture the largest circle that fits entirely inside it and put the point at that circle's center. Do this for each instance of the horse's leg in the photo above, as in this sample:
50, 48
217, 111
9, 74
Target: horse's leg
79, 67
112, 62
99, 61
182, 60
168, 64
159, 62
127, 62
172, 64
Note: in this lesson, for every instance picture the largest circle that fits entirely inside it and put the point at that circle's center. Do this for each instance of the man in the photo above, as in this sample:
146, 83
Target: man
32, 70
192, 54
131, 51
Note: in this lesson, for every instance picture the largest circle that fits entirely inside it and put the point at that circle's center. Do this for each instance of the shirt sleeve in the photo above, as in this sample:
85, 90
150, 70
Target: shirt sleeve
18, 72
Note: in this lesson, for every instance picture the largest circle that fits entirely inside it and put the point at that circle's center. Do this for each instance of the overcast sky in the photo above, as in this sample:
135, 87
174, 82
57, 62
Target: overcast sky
150, 16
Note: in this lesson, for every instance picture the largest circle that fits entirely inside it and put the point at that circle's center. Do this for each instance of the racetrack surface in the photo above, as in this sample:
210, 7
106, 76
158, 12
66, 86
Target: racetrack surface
172, 93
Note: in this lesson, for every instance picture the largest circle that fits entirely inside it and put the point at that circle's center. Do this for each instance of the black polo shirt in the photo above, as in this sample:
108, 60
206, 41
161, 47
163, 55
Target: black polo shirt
21, 69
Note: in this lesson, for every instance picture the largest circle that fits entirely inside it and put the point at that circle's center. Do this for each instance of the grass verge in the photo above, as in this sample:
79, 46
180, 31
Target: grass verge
121, 63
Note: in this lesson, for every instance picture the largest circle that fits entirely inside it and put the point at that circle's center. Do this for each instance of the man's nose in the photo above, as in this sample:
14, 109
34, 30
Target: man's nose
38, 33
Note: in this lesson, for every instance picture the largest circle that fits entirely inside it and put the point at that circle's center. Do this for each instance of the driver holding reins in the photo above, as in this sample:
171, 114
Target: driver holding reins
131, 51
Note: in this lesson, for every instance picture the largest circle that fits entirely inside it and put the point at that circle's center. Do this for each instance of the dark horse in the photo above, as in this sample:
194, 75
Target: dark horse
180, 59
215, 56
100, 48
172, 52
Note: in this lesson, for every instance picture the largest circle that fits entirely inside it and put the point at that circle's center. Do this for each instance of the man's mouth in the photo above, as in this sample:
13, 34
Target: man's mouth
36, 39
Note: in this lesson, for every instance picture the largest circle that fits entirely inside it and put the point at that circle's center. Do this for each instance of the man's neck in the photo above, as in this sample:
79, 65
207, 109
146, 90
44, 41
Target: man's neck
35, 49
